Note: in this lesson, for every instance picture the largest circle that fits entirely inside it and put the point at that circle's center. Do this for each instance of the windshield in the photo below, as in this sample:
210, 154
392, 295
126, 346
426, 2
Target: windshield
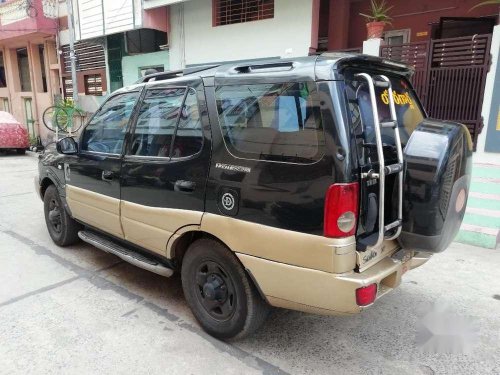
408, 111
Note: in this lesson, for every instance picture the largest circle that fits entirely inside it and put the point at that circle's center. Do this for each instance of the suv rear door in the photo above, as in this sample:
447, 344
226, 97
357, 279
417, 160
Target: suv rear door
166, 163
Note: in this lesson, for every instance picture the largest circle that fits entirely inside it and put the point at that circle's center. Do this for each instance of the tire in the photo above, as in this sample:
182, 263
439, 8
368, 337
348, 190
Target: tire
219, 292
63, 229
20, 151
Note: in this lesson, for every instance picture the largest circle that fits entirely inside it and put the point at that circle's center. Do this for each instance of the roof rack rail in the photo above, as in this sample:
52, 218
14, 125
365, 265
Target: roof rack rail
175, 73
265, 67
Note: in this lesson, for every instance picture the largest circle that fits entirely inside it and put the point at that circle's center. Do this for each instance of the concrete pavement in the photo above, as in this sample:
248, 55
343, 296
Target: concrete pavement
79, 310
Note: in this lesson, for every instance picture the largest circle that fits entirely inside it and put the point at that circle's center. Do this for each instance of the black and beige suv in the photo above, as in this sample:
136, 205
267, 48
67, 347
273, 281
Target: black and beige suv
311, 184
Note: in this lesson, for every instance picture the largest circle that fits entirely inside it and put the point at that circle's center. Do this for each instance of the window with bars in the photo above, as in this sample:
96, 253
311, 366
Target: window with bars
93, 84
3, 80
67, 87
227, 12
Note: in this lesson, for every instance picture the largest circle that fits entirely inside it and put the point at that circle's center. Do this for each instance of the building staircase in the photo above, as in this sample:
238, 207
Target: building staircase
481, 224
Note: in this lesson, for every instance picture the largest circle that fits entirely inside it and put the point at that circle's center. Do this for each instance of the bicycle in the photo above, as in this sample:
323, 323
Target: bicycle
63, 116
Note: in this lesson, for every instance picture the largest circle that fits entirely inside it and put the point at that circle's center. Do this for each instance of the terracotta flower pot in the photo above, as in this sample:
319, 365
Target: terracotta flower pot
375, 29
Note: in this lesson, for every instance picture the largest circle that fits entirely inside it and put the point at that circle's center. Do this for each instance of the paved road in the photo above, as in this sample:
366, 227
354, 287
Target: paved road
79, 310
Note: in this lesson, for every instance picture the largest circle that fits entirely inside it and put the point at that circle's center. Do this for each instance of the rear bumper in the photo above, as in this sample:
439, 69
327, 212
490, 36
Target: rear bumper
321, 292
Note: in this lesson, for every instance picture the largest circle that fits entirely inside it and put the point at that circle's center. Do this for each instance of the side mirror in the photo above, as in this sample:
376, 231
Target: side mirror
67, 146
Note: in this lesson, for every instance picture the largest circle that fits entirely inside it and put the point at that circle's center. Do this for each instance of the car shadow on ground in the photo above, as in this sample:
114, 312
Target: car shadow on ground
343, 340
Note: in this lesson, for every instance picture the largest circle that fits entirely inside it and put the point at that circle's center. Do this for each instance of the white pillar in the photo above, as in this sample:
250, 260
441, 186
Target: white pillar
372, 46
480, 155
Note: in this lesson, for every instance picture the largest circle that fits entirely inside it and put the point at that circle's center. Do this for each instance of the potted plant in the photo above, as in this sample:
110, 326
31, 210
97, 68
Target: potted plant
377, 18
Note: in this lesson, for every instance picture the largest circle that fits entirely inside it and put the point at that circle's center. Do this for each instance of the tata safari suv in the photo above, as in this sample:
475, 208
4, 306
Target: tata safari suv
310, 184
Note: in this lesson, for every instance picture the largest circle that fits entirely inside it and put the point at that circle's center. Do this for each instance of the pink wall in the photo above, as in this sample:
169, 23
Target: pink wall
29, 25
157, 19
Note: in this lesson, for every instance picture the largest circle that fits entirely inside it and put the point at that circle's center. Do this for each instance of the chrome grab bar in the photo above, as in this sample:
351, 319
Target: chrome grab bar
381, 161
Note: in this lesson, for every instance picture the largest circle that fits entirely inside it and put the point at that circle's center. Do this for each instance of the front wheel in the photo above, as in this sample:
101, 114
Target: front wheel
63, 229
219, 292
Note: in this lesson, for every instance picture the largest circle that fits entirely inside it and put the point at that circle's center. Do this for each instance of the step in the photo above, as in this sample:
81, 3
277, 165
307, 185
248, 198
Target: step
389, 124
478, 236
381, 84
482, 211
393, 168
478, 200
140, 260
481, 224
393, 225
487, 171
481, 219
485, 187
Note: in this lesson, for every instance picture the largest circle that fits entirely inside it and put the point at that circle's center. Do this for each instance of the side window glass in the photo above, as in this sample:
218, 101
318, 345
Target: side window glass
106, 131
278, 122
156, 122
189, 137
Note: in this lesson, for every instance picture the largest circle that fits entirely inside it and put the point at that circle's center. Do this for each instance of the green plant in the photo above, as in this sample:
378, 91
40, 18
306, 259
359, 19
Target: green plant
66, 103
379, 12
489, 2
33, 140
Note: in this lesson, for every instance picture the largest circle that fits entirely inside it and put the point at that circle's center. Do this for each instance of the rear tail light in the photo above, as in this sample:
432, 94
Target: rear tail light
341, 210
366, 295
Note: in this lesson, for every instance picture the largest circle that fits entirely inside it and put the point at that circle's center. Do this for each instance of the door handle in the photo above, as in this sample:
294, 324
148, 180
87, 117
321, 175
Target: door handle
183, 186
107, 175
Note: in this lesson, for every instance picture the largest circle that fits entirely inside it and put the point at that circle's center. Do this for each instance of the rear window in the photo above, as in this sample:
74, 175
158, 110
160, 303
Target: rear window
408, 110
276, 122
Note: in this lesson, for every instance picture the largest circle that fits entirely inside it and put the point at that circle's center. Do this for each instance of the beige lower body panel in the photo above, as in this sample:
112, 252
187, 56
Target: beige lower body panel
152, 227
284, 246
371, 256
419, 259
97, 210
318, 291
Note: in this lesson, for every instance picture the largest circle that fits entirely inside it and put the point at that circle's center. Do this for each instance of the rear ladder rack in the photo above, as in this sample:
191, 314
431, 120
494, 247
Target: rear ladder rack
383, 82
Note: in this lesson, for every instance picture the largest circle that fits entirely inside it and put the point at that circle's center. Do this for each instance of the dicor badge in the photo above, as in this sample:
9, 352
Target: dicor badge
228, 201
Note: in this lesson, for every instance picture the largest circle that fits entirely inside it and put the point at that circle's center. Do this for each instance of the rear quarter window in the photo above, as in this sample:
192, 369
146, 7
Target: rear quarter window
275, 122
408, 111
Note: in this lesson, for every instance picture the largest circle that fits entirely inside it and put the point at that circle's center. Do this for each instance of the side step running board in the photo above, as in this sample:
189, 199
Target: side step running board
128, 255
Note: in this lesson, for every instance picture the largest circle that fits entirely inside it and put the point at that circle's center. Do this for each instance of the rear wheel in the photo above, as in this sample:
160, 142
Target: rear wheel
222, 297
63, 229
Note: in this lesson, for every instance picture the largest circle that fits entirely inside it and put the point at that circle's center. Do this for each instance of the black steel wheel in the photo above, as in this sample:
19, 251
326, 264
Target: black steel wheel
55, 215
222, 297
216, 291
63, 229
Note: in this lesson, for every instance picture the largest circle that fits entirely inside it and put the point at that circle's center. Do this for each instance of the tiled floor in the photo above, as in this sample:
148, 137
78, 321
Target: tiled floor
481, 225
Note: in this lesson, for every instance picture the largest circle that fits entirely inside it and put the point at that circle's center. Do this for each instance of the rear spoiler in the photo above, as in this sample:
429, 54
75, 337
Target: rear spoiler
363, 62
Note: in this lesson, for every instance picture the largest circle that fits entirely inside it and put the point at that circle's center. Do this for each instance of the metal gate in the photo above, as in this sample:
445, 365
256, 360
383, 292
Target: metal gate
449, 77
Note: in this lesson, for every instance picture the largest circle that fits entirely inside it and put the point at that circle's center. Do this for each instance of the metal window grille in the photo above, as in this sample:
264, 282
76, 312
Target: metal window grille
93, 84
237, 11
68, 87
89, 56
